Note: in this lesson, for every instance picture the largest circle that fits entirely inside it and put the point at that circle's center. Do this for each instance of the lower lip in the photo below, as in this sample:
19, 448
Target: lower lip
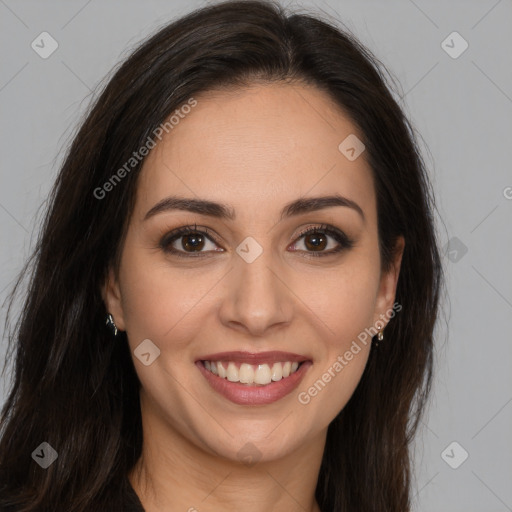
244, 394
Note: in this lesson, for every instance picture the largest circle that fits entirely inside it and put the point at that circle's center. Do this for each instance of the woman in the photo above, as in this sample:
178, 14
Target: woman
234, 292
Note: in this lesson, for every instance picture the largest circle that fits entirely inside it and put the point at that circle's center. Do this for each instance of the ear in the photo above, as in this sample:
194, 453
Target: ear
388, 281
112, 298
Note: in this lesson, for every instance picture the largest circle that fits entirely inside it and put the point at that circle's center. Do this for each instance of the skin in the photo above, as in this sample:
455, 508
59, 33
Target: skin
255, 150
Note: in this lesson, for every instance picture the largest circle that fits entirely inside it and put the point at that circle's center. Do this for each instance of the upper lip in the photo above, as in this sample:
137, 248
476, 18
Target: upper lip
254, 357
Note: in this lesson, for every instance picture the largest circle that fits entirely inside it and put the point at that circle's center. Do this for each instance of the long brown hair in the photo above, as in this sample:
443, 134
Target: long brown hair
76, 389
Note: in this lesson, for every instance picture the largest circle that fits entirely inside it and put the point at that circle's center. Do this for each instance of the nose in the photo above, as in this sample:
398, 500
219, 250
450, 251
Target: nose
256, 298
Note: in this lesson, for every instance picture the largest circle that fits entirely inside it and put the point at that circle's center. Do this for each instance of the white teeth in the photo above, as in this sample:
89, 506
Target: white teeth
232, 372
220, 370
277, 371
261, 374
246, 373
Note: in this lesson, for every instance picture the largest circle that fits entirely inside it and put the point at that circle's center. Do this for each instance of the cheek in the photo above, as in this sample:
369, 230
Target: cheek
346, 303
343, 353
332, 386
343, 297
160, 302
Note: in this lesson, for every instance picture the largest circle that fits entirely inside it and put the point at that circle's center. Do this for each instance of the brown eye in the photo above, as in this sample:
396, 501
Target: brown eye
316, 240
193, 242
190, 241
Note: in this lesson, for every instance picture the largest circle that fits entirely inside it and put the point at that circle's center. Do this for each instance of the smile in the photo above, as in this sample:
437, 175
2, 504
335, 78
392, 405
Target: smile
245, 373
253, 379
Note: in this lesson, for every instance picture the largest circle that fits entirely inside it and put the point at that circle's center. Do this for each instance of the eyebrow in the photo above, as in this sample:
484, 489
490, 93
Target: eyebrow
222, 211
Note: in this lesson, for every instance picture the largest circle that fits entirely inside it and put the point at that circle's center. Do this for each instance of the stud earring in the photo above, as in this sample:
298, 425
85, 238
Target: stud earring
111, 324
380, 337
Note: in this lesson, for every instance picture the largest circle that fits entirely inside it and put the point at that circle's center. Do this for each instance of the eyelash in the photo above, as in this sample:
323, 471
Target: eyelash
338, 235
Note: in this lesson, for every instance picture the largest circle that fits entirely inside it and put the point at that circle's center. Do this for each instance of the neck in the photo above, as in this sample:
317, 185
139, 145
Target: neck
174, 473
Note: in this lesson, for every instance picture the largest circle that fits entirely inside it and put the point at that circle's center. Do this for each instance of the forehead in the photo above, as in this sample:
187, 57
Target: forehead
257, 148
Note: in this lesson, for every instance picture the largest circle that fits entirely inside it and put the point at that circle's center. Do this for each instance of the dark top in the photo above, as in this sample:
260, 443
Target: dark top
132, 503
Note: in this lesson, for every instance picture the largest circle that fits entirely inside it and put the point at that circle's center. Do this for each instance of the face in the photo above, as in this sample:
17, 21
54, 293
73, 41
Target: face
251, 281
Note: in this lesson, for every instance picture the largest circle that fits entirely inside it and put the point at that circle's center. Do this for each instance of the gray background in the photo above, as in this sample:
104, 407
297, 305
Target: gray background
461, 106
